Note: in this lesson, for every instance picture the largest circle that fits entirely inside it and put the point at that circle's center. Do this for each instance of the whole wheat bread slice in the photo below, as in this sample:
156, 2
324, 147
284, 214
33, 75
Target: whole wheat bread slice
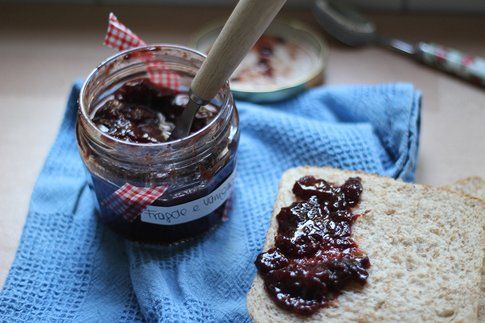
424, 245
474, 186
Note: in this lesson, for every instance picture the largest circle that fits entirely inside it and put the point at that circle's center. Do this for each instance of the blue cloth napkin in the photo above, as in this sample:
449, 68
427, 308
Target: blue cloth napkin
69, 267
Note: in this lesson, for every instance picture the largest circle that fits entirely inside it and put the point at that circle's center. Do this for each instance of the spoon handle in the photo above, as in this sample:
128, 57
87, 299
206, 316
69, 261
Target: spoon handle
452, 61
246, 24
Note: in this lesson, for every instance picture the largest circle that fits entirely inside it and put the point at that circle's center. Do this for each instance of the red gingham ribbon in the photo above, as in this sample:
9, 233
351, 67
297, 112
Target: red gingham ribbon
120, 37
161, 75
131, 200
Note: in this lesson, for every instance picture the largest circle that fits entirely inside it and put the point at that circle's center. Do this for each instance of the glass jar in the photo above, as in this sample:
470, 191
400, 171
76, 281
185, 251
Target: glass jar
194, 173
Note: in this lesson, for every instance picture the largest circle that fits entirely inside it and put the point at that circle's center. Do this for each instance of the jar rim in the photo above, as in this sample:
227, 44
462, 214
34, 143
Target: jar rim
201, 132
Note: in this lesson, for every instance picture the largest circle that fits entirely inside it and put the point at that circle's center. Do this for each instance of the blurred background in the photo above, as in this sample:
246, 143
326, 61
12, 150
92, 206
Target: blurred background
430, 5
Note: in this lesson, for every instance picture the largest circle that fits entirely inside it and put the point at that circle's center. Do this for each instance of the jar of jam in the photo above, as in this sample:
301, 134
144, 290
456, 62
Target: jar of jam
148, 188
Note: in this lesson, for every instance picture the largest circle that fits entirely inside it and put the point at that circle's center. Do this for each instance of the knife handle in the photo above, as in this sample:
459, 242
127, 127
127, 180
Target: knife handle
452, 61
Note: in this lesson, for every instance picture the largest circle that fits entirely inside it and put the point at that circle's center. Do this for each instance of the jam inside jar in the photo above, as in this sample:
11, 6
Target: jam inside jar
148, 188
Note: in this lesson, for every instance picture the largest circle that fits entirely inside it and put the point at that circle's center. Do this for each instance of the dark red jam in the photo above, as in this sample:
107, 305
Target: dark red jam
264, 48
142, 113
314, 257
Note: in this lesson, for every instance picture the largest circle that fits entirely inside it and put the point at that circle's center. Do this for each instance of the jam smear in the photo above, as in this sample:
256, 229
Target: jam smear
141, 112
314, 257
265, 49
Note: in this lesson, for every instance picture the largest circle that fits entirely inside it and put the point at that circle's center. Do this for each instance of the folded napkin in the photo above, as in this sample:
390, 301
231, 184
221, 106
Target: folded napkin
69, 267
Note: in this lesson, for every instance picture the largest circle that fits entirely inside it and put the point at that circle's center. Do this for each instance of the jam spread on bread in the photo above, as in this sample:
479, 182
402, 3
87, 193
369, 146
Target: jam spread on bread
139, 112
314, 256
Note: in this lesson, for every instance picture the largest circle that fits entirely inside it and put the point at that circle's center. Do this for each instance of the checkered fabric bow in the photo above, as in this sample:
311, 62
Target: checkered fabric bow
120, 37
130, 200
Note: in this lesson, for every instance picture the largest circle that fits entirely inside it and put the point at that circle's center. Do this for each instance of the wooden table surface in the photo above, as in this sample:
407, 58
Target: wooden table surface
44, 48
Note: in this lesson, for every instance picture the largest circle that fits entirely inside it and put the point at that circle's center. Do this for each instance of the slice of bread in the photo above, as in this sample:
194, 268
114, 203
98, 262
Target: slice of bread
424, 245
474, 186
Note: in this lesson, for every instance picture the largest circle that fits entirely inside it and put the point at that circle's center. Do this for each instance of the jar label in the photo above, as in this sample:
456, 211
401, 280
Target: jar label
192, 210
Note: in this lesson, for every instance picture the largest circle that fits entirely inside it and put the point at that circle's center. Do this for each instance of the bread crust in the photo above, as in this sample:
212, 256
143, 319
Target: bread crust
474, 187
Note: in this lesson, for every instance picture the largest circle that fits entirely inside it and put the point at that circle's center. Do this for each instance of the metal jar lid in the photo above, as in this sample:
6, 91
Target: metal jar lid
291, 31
